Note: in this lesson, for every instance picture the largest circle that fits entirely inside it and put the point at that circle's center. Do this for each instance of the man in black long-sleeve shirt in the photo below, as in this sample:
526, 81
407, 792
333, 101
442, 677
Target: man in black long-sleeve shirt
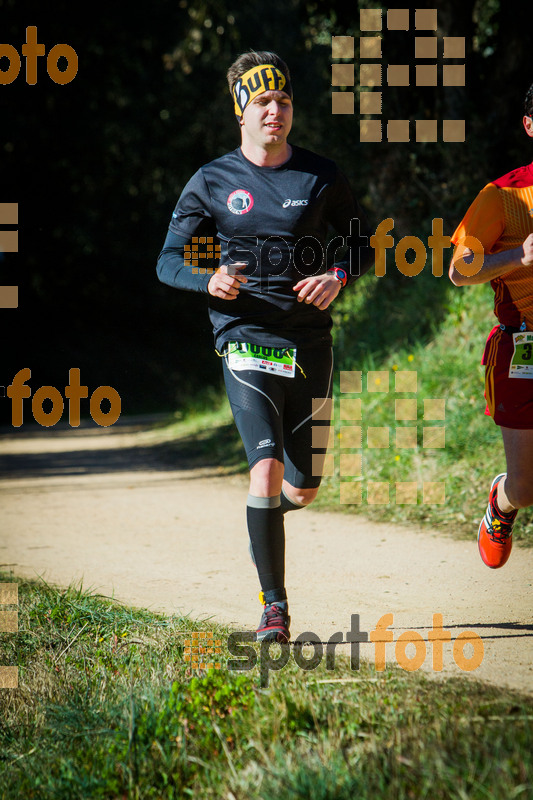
269, 205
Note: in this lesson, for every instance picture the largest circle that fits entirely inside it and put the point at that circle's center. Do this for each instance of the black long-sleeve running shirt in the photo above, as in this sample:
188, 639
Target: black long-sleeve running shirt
275, 219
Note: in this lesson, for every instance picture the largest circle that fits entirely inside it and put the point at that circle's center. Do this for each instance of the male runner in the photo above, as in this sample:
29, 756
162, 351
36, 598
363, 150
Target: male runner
501, 218
269, 205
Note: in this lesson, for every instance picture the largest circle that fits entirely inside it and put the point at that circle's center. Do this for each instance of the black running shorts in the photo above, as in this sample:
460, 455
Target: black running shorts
275, 415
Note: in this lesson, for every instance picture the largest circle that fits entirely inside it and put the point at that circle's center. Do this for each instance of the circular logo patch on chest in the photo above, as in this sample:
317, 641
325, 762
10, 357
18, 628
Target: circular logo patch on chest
240, 201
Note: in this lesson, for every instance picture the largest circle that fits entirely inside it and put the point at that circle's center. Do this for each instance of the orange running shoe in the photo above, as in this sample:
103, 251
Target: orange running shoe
495, 534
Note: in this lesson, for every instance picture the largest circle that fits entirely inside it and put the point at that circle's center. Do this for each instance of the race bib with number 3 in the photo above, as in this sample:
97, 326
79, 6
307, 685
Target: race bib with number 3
521, 365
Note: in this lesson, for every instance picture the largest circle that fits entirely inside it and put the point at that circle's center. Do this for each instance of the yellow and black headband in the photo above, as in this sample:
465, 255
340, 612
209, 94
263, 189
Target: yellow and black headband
263, 78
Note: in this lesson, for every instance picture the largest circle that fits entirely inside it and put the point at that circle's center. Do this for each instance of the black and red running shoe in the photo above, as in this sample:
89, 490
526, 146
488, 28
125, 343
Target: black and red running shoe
275, 621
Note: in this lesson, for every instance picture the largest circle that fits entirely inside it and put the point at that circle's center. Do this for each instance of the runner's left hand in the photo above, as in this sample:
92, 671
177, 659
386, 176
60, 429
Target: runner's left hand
319, 290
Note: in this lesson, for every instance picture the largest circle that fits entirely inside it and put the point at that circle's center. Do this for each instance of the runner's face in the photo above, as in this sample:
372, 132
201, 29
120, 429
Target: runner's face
267, 120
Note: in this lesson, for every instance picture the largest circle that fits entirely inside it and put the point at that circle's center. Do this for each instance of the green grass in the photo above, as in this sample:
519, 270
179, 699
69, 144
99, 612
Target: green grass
107, 707
203, 434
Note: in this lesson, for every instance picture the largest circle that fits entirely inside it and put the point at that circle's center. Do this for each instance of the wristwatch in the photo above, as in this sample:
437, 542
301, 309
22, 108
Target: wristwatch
340, 274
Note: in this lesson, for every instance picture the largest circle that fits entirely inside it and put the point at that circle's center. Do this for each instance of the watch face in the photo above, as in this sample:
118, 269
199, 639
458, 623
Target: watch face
341, 274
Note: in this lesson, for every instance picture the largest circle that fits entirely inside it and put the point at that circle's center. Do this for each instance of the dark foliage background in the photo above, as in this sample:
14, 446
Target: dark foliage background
96, 166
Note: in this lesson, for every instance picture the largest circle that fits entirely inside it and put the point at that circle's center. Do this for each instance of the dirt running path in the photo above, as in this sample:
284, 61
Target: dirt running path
104, 506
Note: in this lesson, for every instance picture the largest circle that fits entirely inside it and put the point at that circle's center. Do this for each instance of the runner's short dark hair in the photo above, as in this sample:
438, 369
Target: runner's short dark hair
254, 58
528, 102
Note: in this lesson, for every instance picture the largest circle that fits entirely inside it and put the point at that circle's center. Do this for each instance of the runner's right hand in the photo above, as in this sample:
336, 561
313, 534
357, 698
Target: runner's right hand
226, 281
527, 247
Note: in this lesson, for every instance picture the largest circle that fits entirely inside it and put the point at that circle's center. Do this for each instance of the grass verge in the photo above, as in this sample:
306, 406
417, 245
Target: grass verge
107, 707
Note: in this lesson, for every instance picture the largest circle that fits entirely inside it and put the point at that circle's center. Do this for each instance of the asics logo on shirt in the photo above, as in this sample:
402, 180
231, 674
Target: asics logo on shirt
290, 202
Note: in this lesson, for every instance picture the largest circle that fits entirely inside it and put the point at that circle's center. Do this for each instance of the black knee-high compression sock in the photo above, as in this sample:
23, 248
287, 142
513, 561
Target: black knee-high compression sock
267, 535
287, 504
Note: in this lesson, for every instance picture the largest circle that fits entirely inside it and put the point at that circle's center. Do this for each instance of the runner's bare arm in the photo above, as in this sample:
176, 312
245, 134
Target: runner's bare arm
494, 266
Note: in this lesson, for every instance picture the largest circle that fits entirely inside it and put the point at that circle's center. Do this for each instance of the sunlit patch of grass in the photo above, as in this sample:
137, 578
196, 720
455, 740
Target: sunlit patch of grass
108, 706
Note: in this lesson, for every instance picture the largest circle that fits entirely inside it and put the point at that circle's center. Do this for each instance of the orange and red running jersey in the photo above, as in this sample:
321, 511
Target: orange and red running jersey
501, 217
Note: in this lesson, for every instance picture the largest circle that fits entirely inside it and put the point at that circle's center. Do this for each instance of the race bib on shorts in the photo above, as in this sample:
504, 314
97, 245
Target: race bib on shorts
521, 365
241, 355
